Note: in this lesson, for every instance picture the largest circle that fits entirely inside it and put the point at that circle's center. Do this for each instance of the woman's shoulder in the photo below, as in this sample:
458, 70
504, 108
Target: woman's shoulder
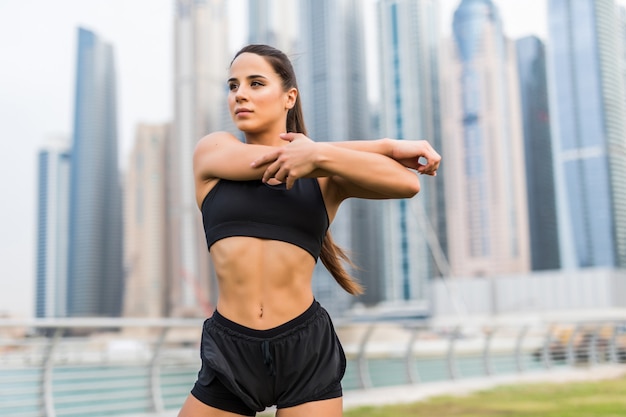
214, 143
217, 138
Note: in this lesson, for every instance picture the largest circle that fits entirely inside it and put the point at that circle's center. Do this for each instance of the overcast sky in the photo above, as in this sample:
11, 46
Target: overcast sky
37, 70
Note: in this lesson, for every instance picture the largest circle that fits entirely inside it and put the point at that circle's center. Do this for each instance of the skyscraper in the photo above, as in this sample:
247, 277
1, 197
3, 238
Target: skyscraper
52, 229
483, 147
409, 79
589, 109
542, 221
332, 79
95, 273
622, 34
145, 227
200, 72
273, 22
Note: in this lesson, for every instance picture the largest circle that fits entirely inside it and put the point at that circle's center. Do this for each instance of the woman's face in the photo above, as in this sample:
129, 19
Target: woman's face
256, 99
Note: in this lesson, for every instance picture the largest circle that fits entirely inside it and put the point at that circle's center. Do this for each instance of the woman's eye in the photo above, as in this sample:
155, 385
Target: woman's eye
256, 84
232, 87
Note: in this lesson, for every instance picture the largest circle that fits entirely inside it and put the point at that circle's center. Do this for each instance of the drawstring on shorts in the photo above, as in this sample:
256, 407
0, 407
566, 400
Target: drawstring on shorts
268, 359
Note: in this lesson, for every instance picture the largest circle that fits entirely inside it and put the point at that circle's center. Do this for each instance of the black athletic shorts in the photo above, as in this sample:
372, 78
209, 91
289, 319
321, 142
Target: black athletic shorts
246, 370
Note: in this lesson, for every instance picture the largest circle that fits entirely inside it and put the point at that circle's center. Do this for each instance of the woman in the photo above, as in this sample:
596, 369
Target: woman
266, 206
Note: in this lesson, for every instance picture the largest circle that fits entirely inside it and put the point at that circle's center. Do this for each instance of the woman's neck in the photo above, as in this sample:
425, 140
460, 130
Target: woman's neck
265, 138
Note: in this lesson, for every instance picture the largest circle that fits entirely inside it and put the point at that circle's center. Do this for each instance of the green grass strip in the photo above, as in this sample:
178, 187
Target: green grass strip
591, 399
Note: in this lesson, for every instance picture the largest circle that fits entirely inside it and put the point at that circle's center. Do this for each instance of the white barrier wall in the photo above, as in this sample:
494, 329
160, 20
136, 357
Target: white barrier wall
541, 291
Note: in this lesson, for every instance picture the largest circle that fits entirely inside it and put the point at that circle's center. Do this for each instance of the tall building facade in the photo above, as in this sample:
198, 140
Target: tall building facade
273, 22
332, 79
622, 35
145, 227
542, 216
409, 110
200, 73
483, 147
52, 229
589, 109
95, 272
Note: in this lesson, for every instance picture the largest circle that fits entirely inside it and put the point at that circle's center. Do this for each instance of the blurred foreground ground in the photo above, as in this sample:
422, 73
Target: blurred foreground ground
413, 393
420, 392
587, 397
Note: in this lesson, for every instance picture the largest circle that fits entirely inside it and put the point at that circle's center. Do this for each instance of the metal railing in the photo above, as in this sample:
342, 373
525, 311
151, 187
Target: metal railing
108, 367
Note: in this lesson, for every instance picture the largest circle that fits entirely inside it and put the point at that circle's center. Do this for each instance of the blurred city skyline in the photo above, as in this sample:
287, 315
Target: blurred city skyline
37, 79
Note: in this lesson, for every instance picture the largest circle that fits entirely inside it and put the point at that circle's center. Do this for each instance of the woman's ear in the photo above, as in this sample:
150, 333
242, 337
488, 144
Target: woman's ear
292, 95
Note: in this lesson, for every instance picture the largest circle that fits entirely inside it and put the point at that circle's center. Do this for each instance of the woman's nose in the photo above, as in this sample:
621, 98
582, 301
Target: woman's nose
240, 94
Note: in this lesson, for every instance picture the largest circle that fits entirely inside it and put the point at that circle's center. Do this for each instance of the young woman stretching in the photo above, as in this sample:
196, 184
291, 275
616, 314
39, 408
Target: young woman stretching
266, 205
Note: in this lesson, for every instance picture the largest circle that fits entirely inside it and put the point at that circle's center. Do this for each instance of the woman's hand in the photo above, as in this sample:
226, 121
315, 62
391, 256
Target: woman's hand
411, 153
290, 162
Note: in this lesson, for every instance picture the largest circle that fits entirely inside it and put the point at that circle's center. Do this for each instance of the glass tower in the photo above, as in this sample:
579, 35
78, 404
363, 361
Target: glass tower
544, 239
409, 80
95, 273
145, 232
200, 73
590, 149
273, 22
52, 230
331, 77
486, 201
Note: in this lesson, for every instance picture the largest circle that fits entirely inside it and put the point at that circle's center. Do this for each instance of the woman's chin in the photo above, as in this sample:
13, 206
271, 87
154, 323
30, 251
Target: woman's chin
244, 125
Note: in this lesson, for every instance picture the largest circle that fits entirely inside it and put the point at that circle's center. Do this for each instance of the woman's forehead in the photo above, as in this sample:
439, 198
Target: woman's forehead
251, 64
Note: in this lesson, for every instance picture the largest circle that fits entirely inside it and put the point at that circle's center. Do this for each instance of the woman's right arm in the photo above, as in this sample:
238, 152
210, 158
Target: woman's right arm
221, 155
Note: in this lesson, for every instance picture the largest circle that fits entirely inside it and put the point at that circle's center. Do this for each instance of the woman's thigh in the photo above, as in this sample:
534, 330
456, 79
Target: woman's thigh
192, 407
326, 408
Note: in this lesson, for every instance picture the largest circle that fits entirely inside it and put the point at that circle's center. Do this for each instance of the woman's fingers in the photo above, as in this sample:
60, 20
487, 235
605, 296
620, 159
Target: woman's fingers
271, 171
418, 155
273, 155
289, 136
285, 176
287, 163
265, 159
429, 160
290, 182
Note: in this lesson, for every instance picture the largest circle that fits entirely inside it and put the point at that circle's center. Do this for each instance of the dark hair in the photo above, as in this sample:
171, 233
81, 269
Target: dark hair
331, 255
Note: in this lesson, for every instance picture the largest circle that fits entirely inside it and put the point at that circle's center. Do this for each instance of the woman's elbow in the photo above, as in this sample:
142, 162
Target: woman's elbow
414, 187
410, 187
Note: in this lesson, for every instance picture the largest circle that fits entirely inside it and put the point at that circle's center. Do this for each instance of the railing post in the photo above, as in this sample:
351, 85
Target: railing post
452, 371
155, 373
571, 357
546, 354
412, 372
518, 349
593, 347
48, 364
613, 346
487, 352
364, 375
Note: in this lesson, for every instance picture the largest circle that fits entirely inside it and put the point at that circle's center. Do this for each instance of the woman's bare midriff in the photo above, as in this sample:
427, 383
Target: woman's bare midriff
262, 283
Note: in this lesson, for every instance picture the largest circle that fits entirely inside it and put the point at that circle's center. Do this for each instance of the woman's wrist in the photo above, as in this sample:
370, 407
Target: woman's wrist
321, 155
388, 147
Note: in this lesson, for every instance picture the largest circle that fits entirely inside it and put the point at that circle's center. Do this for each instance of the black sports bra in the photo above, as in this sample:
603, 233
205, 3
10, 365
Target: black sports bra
256, 209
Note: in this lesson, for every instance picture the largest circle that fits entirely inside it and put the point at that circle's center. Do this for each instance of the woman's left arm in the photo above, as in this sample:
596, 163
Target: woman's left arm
415, 154
356, 173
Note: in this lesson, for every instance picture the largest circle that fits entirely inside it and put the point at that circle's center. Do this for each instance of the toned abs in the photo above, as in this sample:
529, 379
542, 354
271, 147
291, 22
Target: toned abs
262, 283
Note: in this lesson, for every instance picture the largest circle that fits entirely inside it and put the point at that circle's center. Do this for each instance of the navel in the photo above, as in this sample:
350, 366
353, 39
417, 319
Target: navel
261, 312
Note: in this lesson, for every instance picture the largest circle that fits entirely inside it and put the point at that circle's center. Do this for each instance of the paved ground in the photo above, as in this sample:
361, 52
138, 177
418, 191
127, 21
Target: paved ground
420, 392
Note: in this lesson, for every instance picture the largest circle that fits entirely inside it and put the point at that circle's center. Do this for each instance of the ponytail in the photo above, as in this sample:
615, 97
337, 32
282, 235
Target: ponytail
331, 254
331, 257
